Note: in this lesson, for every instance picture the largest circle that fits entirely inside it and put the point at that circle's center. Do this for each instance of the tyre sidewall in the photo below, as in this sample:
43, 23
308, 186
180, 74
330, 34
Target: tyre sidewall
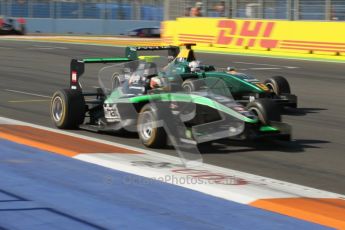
193, 84
158, 136
278, 84
266, 110
73, 108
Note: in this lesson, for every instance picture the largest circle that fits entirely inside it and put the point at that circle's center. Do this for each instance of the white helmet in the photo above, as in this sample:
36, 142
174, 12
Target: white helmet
194, 66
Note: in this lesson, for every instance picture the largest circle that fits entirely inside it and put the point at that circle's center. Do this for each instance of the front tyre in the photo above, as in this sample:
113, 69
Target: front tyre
67, 109
150, 134
280, 87
266, 110
278, 84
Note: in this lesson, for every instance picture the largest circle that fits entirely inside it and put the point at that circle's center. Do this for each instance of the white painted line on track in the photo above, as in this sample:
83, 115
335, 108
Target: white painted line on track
43, 48
268, 68
263, 64
26, 93
40, 47
28, 101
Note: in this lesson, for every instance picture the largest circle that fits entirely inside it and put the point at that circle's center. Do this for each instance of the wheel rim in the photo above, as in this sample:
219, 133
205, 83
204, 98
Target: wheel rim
187, 88
258, 113
115, 81
271, 87
146, 126
57, 109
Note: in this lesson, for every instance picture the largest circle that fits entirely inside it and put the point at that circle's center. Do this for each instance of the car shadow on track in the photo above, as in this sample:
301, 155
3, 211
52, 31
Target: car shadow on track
301, 111
228, 146
122, 134
233, 146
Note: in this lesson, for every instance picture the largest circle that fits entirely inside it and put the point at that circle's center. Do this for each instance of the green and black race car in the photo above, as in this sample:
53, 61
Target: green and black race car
163, 111
243, 87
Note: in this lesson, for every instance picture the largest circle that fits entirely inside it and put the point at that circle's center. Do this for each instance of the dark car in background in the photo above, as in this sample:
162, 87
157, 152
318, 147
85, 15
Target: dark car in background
153, 32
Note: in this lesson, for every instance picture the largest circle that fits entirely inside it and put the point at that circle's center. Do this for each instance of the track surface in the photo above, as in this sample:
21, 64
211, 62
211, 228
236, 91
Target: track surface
315, 158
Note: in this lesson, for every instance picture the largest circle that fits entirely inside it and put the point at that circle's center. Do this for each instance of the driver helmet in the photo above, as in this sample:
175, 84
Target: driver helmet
194, 66
156, 82
231, 69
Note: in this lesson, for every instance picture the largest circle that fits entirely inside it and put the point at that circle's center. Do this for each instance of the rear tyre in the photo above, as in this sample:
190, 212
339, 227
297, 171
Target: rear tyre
266, 110
150, 134
67, 109
278, 84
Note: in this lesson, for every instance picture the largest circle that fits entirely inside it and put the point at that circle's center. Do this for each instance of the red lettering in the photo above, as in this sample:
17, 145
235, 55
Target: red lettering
227, 27
232, 181
215, 177
222, 179
247, 32
250, 29
251, 42
268, 43
239, 41
268, 30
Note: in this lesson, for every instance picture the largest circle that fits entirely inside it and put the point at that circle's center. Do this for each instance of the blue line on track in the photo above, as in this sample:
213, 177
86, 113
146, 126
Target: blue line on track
42, 190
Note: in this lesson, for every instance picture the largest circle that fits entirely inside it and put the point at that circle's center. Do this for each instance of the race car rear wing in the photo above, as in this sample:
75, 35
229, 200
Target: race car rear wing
78, 67
188, 45
132, 52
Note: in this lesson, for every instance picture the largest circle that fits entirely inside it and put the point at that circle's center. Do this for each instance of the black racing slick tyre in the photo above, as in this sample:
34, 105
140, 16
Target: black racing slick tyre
192, 85
266, 110
278, 84
150, 134
67, 109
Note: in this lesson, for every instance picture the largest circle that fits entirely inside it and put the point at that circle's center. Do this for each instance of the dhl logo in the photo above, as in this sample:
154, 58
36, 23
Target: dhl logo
246, 33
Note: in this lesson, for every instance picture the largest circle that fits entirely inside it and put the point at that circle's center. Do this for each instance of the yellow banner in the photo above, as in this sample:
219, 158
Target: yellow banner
287, 36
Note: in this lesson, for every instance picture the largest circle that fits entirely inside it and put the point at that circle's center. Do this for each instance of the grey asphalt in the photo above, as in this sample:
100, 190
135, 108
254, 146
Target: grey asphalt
316, 156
